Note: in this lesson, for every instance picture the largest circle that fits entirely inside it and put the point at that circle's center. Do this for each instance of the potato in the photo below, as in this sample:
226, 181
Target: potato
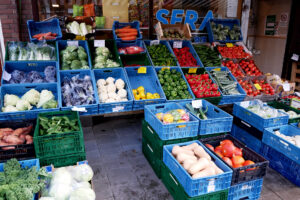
201, 164
201, 153
181, 157
209, 171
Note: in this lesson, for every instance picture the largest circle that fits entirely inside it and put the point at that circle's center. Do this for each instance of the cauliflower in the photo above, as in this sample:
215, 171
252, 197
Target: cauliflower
110, 80
101, 82
46, 96
118, 98
111, 88
122, 93
10, 100
120, 84
23, 105
124, 99
102, 89
32, 96
9, 108
110, 100
112, 95
103, 97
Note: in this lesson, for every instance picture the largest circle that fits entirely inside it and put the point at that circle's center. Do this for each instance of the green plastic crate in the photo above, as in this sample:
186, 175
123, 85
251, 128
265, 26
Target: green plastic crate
178, 193
152, 158
140, 60
62, 161
200, 70
156, 143
58, 144
211, 135
285, 107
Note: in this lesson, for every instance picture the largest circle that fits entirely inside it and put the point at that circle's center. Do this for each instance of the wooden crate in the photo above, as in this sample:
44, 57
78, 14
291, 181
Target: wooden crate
181, 28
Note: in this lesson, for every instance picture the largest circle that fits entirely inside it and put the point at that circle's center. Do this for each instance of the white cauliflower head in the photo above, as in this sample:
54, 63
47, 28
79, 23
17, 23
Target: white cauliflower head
46, 96
122, 93
110, 80
111, 88
23, 105
9, 108
32, 96
103, 97
101, 82
10, 100
120, 84
112, 95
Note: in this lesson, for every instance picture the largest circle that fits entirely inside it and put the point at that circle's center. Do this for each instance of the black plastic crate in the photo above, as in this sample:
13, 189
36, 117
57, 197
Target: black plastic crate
248, 127
20, 152
241, 174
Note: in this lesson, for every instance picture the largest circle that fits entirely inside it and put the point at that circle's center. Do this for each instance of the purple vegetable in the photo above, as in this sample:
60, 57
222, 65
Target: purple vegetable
34, 77
50, 74
17, 77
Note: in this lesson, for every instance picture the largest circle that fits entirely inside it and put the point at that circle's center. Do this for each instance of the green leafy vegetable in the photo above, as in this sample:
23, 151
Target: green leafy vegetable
57, 124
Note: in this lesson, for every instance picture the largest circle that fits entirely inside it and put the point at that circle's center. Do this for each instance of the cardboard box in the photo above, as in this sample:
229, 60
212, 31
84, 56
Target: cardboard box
281, 87
115, 10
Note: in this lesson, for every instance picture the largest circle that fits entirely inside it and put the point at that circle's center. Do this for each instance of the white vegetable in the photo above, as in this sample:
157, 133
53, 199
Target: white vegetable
120, 84
60, 191
118, 98
103, 97
82, 173
9, 108
109, 100
83, 29
122, 93
83, 194
45, 96
110, 80
297, 140
101, 82
112, 95
124, 99
111, 88
61, 175
74, 28
46, 198
103, 89
76, 185
32, 96
23, 105
10, 99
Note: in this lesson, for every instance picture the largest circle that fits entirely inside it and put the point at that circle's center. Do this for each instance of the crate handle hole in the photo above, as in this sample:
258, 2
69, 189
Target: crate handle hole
244, 198
74, 72
216, 110
246, 124
159, 107
276, 129
28, 87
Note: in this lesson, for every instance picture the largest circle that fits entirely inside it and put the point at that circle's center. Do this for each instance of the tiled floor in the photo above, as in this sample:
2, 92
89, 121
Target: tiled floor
114, 150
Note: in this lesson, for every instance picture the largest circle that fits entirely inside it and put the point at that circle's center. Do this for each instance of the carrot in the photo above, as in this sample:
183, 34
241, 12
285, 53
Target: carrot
27, 130
127, 34
126, 30
125, 27
128, 38
54, 34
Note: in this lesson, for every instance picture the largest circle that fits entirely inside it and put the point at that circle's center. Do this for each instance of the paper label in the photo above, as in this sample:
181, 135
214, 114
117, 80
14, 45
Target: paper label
192, 70
79, 37
197, 103
229, 44
217, 69
211, 186
81, 109
115, 4
177, 44
6, 76
72, 43
257, 86
295, 57
99, 43
115, 17
142, 70
295, 103
154, 42
118, 108
286, 87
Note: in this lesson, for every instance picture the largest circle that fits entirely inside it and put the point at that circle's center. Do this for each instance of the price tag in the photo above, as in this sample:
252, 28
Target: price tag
211, 186
81, 109
165, 68
197, 103
192, 70
115, 3
286, 87
142, 70
257, 86
229, 45
6, 76
118, 108
115, 17
99, 43
79, 37
295, 103
217, 69
177, 44
154, 42
295, 57
72, 43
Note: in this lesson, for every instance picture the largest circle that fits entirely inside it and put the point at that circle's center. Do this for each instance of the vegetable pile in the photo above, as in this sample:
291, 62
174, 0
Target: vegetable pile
127, 33
185, 57
290, 113
79, 29
264, 111
266, 88
295, 140
173, 84
57, 125
74, 57
173, 34
221, 32
70, 183
208, 55
173, 116
18, 136
32, 51
131, 50
18, 183
44, 99
18, 76
233, 52
77, 91
141, 94
195, 160
249, 88
231, 154
111, 90
202, 86
45, 36
199, 112
226, 83
234, 68
250, 68
103, 58
161, 56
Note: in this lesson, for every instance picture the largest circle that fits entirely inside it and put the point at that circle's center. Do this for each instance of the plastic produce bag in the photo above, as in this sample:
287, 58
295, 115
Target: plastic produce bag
173, 116
89, 10
13, 50
77, 10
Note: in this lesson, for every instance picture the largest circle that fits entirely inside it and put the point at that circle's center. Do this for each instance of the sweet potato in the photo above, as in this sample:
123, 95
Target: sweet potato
29, 139
27, 130
177, 150
17, 132
13, 140
4, 145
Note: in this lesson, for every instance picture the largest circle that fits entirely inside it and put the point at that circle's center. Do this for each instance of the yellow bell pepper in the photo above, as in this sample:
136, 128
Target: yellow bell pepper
141, 89
159, 116
134, 91
142, 94
137, 97
168, 118
156, 96
149, 95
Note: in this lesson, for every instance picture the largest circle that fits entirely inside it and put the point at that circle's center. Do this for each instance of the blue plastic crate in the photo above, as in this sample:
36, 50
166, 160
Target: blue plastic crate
138, 43
248, 139
240, 110
186, 43
28, 66
218, 120
224, 22
199, 186
279, 144
282, 164
173, 130
229, 99
44, 27
91, 109
295, 124
116, 73
149, 81
166, 43
246, 190
20, 90
62, 44
157, 69
134, 24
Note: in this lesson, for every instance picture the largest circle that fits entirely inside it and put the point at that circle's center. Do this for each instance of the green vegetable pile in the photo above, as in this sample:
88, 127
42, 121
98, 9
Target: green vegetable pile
161, 56
20, 184
221, 32
173, 84
208, 56
225, 82
57, 125
74, 57
199, 112
103, 58
173, 34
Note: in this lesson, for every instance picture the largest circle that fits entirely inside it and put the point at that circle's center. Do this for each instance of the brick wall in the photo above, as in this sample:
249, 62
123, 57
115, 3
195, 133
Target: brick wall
26, 14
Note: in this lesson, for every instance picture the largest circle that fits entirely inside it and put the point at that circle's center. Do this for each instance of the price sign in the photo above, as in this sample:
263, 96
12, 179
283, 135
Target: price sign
79, 109
217, 69
177, 44
295, 103
257, 86
72, 43
229, 45
192, 70
197, 103
99, 43
6, 76
154, 42
286, 87
142, 70
211, 186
